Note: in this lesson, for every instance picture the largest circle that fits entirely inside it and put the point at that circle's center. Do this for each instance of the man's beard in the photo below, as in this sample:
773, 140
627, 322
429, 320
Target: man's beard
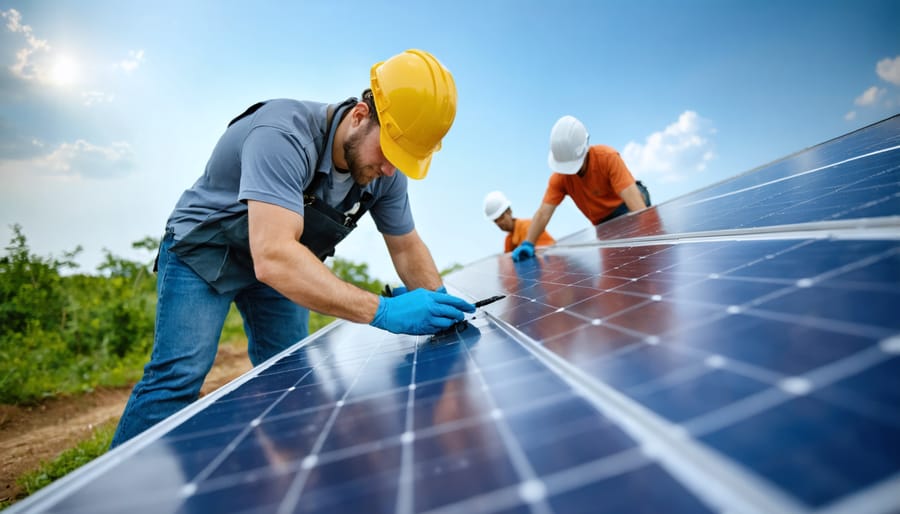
351, 154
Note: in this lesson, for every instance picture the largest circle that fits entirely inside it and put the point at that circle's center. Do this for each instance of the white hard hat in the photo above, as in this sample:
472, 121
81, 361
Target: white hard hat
568, 145
495, 204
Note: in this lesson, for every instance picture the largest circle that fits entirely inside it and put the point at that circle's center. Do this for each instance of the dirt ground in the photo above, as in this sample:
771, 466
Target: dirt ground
30, 435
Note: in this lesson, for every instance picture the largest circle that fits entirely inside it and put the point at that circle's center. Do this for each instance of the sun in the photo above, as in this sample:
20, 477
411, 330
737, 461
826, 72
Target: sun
64, 71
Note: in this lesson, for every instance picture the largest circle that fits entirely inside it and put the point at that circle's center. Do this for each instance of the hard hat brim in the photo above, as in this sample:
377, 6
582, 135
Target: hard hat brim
499, 212
565, 167
410, 166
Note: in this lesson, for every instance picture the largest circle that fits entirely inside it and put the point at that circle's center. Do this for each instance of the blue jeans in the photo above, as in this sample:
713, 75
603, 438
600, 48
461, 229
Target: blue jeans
189, 320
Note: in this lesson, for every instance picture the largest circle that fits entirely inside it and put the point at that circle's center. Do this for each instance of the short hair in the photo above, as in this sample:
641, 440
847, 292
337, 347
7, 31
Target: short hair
369, 98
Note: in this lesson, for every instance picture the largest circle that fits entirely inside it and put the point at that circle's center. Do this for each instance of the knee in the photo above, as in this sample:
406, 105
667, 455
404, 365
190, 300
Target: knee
179, 378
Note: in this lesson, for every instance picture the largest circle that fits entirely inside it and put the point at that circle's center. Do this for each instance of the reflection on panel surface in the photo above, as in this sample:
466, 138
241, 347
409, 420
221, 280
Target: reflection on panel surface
738, 338
346, 426
651, 364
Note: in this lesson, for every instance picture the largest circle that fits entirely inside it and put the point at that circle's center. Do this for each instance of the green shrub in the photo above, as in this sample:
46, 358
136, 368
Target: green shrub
31, 288
356, 274
27, 361
62, 334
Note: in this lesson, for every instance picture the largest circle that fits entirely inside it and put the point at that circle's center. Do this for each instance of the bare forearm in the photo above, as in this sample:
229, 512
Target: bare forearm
413, 261
539, 222
419, 271
297, 274
631, 195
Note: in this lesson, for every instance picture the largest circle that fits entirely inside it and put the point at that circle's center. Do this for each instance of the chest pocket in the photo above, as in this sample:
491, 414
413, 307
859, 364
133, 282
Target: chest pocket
323, 225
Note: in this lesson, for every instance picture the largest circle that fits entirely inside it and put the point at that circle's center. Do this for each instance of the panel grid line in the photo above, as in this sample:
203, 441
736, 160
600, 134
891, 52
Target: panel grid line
209, 469
693, 464
405, 490
537, 505
289, 502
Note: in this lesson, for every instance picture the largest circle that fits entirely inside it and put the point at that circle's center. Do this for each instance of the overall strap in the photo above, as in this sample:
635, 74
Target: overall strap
329, 119
250, 110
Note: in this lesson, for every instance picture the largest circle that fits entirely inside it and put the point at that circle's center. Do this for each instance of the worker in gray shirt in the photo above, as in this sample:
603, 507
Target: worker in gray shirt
287, 181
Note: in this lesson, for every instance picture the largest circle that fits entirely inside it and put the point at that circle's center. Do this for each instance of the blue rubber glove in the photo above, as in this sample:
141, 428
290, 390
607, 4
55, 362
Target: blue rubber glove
397, 291
524, 251
420, 312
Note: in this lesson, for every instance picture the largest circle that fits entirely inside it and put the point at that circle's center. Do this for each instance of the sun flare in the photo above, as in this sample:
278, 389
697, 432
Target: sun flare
64, 71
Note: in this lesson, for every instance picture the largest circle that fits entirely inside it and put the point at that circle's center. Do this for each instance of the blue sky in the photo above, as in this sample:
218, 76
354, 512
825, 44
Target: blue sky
109, 110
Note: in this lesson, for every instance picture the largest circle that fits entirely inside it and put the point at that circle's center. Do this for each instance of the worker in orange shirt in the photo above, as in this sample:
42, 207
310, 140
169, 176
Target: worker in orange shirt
498, 209
594, 176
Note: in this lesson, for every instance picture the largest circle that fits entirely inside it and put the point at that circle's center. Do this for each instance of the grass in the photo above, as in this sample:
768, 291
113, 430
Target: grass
68, 461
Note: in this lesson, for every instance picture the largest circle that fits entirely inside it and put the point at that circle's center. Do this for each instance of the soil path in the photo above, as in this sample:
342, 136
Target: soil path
30, 435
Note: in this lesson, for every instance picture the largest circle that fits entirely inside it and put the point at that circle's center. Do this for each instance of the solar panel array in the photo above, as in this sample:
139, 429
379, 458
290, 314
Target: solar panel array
734, 350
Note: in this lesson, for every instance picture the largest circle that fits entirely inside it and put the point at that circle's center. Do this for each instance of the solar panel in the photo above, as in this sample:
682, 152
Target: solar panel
734, 350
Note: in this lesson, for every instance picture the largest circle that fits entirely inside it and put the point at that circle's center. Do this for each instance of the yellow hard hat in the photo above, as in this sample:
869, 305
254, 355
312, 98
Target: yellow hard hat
415, 97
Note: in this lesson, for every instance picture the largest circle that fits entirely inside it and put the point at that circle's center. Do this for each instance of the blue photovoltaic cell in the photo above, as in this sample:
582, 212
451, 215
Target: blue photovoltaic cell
822, 451
656, 490
650, 364
728, 332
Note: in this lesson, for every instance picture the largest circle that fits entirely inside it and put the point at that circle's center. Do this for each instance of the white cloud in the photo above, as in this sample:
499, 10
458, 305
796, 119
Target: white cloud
78, 159
39, 64
135, 58
26, 66
90, 98
14, 21
869, 96
682, 148
889, 70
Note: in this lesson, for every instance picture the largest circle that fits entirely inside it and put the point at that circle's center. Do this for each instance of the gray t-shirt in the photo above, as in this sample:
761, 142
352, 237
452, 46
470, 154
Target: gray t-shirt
271, 156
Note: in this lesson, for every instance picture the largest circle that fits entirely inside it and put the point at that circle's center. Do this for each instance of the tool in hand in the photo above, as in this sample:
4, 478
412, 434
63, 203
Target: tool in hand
459, 326
487, 301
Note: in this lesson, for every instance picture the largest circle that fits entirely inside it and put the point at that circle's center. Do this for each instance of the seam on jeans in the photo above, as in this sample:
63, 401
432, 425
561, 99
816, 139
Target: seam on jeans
160, 290
249, 326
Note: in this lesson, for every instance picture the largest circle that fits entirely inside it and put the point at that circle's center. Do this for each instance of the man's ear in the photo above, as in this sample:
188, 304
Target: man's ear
359, 113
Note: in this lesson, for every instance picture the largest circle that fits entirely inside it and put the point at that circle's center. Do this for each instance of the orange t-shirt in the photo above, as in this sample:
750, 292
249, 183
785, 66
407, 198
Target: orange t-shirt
520, 230
597, 193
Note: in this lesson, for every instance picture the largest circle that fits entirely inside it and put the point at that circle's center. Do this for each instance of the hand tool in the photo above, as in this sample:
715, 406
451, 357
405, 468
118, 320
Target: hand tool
459, 326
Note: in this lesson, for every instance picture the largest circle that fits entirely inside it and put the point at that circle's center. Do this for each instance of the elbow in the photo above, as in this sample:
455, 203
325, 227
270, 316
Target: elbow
264, 272
265, 267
